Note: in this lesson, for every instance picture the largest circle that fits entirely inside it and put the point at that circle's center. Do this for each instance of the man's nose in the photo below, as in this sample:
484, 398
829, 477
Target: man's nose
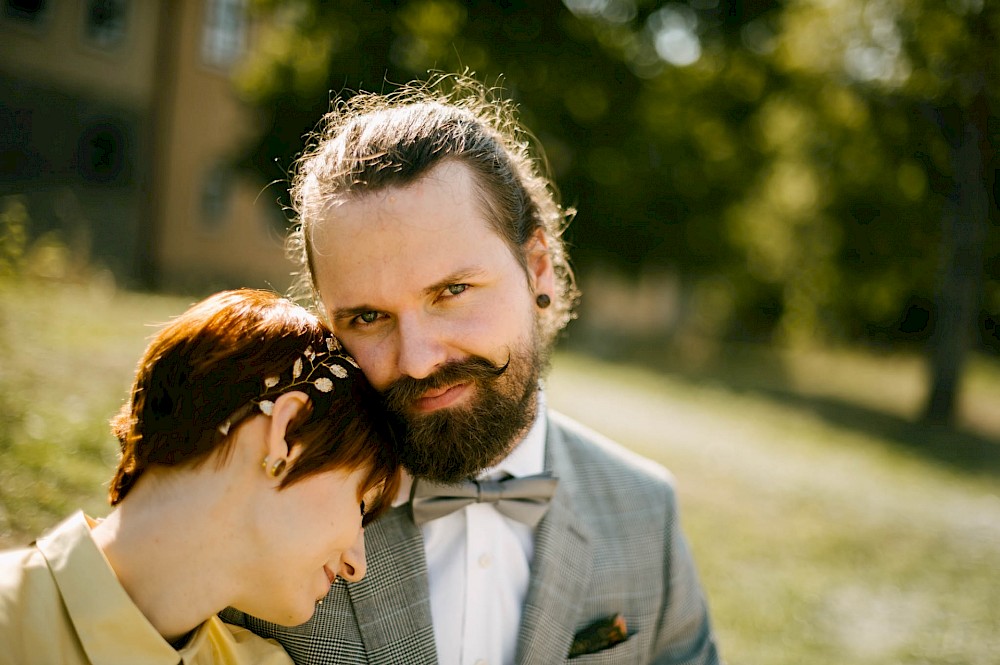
421, 349
352, 564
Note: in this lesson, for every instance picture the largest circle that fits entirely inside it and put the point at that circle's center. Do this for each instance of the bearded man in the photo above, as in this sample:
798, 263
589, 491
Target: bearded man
432, 241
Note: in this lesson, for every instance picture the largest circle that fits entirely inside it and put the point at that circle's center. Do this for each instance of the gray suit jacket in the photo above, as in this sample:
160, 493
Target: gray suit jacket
610, 543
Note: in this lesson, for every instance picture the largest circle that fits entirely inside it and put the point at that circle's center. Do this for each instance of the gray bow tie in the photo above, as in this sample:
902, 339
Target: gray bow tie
523, 499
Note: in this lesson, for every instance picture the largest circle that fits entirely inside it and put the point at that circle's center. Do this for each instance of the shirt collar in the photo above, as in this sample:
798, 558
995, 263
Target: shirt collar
111, 628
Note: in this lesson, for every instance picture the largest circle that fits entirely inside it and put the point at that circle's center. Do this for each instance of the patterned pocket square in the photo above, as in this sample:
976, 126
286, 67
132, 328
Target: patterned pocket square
599, 635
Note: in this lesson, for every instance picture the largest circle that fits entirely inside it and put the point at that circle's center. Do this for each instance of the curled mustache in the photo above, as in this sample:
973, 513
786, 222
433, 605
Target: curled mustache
406, 389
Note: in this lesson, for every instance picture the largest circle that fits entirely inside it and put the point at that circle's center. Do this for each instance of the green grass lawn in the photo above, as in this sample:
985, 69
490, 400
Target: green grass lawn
67, 357
828, 526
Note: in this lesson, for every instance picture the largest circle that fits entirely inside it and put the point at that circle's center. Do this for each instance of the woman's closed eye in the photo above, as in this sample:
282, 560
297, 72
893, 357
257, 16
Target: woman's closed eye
366, 515
372, 505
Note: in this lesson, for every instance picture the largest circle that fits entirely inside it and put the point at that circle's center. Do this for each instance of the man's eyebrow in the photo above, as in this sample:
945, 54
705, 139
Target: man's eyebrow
458, 277
350, 312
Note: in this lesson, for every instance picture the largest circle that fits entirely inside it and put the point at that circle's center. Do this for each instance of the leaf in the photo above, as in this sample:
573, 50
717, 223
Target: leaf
271, 381
323, 384
266, 407
297, 368
338, 371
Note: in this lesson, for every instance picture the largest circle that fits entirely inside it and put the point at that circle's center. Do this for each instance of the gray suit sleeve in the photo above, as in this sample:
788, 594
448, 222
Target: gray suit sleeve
685, 635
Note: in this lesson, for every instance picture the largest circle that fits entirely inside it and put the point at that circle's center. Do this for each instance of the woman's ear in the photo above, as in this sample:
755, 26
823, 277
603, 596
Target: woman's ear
286, 409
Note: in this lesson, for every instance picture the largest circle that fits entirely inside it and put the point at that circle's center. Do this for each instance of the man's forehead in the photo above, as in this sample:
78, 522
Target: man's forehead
381, 278
425, 230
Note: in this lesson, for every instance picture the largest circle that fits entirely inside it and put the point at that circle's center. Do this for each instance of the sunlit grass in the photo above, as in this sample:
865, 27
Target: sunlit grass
828, 526
68, 355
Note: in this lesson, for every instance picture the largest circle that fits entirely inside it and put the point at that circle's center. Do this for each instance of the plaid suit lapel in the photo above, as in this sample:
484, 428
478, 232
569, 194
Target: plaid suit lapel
560, 571
392, 602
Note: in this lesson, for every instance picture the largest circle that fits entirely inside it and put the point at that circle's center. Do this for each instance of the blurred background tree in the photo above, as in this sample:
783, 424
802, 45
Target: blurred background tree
806, 172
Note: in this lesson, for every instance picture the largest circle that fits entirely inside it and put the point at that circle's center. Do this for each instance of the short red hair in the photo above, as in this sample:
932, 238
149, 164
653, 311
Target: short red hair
211, 361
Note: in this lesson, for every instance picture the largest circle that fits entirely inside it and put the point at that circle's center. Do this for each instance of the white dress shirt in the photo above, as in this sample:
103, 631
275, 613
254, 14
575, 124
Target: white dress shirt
479, 562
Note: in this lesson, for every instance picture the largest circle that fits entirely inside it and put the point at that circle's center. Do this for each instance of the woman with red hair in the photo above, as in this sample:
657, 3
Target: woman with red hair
253, 450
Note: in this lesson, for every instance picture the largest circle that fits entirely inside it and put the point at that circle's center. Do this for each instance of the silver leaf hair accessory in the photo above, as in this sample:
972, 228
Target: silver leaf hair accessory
307, 370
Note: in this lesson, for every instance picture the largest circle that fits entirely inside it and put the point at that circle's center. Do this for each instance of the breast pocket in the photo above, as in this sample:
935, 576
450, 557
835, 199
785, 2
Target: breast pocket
622, 653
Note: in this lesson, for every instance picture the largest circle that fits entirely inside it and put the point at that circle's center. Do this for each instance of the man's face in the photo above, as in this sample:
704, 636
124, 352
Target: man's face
439, 314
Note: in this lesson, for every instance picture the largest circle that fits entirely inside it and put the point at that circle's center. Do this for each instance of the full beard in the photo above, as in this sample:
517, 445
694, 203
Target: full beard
451, 444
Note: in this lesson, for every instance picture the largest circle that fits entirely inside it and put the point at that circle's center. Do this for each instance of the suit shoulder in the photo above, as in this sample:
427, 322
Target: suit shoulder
593, 452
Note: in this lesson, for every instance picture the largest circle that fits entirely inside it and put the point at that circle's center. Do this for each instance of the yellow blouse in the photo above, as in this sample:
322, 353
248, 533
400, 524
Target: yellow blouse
60, 602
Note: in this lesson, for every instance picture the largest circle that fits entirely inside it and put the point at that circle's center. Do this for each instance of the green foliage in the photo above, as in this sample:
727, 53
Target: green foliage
13, 235
801, 152
46, 256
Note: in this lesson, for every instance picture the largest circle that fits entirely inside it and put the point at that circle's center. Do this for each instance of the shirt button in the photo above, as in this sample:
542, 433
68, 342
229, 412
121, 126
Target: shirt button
484, 562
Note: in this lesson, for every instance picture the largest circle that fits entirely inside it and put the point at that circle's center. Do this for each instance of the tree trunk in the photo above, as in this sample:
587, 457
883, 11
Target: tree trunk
960, 287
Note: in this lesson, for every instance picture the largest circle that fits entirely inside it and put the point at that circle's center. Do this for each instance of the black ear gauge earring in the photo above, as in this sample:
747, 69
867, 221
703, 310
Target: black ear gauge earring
543, 300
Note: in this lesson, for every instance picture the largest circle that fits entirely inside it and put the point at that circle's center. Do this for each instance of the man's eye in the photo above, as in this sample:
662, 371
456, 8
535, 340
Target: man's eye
368, 317
455, 289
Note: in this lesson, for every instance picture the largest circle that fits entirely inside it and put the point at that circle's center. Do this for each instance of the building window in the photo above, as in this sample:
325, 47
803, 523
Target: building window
105, 22
29, 11
102, 153
224, 35
216, 189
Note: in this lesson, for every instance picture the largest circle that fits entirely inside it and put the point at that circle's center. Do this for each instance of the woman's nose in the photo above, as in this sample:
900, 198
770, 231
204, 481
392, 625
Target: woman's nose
352, 564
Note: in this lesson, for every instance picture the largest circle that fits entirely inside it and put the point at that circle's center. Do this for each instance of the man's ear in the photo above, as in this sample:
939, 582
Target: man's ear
286, 408
541, 273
